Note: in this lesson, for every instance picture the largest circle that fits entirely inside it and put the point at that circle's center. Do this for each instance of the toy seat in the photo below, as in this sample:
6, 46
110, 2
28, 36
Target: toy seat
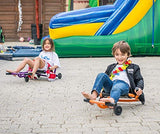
130, 97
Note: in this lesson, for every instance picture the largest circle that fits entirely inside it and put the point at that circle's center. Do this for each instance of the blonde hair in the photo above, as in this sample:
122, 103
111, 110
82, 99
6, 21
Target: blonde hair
123, 46
50, 41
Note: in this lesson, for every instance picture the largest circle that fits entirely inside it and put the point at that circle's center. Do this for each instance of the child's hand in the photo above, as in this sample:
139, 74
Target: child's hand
138, 91
51, 68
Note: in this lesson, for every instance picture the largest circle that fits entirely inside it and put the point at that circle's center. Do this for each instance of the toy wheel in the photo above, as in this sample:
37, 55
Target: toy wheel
142, 98
8, 73
117, 110
26, 79
38, 75
59, 76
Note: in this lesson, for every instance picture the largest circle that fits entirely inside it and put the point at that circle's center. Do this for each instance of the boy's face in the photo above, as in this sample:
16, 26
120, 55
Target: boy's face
120, 57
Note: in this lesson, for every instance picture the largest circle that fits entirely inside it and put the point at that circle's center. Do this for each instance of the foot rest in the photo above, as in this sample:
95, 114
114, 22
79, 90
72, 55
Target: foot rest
86, 100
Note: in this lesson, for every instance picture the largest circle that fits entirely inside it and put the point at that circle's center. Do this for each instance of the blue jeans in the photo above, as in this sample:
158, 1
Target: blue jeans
115, 88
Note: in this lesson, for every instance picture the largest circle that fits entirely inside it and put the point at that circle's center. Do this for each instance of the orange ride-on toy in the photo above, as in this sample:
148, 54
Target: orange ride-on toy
117, 109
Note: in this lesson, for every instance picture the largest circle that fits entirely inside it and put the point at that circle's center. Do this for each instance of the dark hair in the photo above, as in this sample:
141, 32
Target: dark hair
123, 46
50, 41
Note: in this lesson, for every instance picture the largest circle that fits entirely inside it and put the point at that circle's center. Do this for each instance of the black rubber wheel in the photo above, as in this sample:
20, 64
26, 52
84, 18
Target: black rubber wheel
59, 76
38, 75
8, 73
142, 98
117, 110
26, 79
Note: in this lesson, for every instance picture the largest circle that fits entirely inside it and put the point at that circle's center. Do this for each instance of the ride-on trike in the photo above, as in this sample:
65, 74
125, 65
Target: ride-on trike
117, 109
51, 75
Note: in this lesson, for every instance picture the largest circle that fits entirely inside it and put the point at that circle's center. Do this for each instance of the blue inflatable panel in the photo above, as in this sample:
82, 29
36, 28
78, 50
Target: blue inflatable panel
45, 37
27, 52
22, 47
84, 16
5, 56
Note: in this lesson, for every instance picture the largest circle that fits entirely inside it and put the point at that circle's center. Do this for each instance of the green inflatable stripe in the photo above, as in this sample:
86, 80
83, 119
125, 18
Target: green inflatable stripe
69, 5
93, 3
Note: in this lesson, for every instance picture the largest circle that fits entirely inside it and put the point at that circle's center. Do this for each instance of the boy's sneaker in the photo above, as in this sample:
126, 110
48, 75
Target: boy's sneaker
142, 98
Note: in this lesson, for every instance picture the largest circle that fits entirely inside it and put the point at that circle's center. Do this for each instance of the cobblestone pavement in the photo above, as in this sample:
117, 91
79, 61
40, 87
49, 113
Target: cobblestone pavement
42, 107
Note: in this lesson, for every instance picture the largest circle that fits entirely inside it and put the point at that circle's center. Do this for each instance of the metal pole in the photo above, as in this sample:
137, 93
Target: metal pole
71, 7
153, 26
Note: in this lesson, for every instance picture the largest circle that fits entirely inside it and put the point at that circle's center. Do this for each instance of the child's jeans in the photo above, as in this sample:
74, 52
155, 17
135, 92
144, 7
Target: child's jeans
115, 88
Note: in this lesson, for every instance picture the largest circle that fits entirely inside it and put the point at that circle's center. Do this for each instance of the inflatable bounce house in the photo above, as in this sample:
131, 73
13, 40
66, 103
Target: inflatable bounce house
93, 31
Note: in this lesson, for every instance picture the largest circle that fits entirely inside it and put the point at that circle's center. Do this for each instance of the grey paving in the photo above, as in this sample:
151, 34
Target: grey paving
42, 107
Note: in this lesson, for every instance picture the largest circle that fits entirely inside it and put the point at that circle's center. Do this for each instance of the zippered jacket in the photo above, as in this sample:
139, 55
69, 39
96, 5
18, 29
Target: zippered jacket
133, 73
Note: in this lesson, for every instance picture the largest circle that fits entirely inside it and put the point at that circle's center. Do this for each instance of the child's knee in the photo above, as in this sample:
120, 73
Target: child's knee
101, 74
26, 59
37, 58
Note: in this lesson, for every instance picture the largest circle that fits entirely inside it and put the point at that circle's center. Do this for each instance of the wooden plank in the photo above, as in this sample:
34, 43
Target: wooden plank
10, 36
7, 13
24, 34
53, 1
49, 9
26, 27
7, 1
9, 26
28, 9
52, 10
7, 8
28, 1
8, 4
28, 17
8, 17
